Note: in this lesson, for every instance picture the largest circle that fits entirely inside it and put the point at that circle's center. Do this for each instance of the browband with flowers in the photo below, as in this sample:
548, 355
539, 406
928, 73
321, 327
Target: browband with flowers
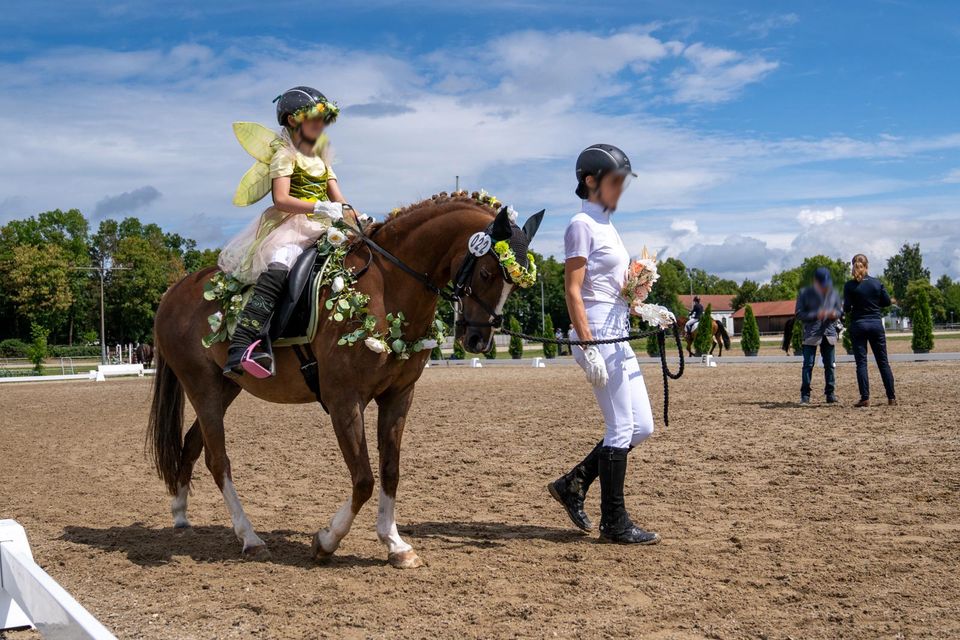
327, 110
523, 277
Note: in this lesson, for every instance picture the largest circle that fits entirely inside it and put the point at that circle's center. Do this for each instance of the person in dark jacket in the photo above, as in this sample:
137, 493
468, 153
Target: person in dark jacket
695, 315
864, 298
818, 308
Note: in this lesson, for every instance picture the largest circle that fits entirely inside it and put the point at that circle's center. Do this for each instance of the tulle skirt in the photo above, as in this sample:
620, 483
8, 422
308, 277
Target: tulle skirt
269, 238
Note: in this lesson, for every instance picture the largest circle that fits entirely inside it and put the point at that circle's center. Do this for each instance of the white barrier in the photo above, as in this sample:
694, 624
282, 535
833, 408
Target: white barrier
475, 363
538, 363
105, 371
708, 361
29, 597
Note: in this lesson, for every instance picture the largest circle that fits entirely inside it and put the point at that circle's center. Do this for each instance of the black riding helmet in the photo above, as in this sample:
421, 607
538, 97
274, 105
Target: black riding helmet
304, 100
598, 160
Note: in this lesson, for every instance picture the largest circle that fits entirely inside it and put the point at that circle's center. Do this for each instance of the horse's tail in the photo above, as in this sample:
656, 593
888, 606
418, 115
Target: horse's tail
165, 427
723, 334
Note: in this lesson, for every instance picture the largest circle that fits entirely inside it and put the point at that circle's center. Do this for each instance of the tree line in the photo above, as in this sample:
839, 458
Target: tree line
49, 278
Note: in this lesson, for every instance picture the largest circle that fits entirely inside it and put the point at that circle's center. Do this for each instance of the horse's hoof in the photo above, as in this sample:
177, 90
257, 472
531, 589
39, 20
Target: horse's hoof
317, 552
405, 560
257, 552
181, 525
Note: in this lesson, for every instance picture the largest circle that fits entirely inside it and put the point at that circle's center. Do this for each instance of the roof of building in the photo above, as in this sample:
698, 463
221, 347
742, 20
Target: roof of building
770, 309
717, 302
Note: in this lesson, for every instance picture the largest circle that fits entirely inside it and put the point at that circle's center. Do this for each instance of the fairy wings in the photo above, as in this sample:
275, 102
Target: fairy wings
263, 143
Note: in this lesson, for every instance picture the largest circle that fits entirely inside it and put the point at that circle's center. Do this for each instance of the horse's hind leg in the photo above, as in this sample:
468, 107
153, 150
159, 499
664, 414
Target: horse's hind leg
210, 402
348, 424
192, 446
393, 416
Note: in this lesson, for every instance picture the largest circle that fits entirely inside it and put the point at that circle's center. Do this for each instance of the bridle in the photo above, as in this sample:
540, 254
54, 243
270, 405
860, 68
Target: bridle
460, 288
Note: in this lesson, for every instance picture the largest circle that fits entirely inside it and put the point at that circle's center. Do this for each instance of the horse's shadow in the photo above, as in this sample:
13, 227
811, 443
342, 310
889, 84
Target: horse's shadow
151, 547
769, 404
488, 534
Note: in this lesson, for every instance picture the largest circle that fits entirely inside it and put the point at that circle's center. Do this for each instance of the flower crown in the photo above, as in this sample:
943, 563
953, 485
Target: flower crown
327, 110
523, 277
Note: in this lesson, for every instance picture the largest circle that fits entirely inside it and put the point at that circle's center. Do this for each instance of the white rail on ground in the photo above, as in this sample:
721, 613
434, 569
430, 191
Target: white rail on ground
29, 597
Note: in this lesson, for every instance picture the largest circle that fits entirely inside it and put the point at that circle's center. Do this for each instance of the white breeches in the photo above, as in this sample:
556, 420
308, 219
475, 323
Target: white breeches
286, 254
623, 400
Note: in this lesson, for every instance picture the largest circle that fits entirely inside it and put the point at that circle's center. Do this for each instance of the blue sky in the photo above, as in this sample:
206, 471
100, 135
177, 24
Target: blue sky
762, 131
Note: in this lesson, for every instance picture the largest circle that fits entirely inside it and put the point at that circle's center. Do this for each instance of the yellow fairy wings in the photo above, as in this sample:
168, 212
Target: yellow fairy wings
261, 143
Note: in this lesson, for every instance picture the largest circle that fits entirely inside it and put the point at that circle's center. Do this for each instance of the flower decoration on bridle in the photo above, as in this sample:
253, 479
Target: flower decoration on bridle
327, 110
523, 277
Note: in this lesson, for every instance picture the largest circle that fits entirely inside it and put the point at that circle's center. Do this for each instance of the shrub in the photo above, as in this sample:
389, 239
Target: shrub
549, 348
703, 341
436, 353
74, 351
516, 344
37, 351
492, 353
750, 337
922, 323
13, 348
458, 352
846, 340
653, 345
796, 339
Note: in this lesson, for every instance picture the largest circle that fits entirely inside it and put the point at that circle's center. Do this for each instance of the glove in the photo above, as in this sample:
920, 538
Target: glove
594, 366
332, 210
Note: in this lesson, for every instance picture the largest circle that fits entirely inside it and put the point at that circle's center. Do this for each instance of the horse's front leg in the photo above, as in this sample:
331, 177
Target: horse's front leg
347, 417
392, 417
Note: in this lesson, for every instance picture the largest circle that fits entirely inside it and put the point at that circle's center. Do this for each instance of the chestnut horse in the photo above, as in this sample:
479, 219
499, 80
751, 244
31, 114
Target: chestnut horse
720, 337
431, 238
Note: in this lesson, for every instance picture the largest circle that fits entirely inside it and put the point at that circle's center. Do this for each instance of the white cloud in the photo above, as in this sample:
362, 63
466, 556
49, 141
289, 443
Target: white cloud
717, 74
952, 177
813, 217
736, 257
682, 227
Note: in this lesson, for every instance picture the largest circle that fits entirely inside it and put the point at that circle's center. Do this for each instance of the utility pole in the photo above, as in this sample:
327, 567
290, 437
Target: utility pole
543, 312
457, 188
102, 270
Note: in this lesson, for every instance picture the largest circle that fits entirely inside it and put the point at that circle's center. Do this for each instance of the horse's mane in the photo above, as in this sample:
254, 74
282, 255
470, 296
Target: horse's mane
443, 202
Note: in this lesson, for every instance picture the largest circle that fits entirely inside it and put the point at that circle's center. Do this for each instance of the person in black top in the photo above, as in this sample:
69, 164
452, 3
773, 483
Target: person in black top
864, 298
695, 314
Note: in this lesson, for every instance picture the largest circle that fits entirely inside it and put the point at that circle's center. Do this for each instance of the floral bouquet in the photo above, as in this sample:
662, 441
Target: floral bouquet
641, 275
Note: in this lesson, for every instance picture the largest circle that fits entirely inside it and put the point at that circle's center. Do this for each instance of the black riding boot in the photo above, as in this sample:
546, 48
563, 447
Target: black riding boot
253, 323
615, 523
570, 490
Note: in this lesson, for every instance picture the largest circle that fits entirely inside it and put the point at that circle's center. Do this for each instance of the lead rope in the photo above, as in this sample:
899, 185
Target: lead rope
661, 344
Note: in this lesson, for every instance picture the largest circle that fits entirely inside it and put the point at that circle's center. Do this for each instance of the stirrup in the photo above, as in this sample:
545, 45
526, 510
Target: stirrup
254, 368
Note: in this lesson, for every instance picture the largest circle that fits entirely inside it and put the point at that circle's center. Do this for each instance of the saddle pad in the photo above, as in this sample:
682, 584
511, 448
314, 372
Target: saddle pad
302, 326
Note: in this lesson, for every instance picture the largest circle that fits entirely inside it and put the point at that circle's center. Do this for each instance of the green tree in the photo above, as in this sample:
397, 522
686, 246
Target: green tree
37, 351
673, 282
436, 353
492, 353
746, 293
951, 302
839, 270
935, 299
904, 268
703, 340
40, 282
847, 340
458, 352
796, 338
750, 336
516, 344
549, 348
653, 345
922, 318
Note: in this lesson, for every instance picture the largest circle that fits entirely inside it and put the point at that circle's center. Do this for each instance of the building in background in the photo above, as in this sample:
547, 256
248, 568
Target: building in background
771, 316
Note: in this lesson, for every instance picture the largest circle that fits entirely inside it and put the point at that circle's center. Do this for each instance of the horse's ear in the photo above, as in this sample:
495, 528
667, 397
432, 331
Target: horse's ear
502, 229
532, 224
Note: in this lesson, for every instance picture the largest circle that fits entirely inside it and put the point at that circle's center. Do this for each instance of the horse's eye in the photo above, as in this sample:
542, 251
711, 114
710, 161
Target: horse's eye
485, 273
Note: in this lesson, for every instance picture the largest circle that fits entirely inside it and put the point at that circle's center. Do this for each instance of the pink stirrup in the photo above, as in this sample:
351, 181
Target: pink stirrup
251, 366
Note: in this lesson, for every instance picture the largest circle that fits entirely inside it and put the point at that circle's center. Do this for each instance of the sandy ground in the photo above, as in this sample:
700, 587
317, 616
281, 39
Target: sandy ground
778, 521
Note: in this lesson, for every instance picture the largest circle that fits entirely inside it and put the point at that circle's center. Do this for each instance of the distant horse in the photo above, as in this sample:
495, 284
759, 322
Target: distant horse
720, 337
144, 355
430, 245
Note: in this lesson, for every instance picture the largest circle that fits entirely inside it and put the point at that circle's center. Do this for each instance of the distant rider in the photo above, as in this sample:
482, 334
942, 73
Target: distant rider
695, 314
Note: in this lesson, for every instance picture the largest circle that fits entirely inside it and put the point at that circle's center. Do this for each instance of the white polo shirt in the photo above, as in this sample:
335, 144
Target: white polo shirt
591, 235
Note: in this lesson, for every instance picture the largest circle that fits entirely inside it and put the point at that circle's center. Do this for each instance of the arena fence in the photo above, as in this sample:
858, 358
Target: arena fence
29, 597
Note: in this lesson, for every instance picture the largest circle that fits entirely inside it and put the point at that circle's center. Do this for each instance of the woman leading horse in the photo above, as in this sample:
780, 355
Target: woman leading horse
411, 258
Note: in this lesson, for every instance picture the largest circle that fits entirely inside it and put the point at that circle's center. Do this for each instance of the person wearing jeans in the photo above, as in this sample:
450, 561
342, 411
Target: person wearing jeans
818, 308
864, 298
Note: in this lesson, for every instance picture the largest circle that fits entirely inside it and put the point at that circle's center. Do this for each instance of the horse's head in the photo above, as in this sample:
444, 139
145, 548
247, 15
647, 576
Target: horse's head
495, 263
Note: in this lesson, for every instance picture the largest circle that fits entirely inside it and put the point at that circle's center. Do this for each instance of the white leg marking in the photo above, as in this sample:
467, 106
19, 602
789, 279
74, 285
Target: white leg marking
339, 527
241, 524
387, 525
179, 508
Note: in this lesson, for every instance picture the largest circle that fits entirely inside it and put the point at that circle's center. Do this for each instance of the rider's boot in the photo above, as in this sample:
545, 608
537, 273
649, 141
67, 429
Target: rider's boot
570, 489
249, 349
615, 523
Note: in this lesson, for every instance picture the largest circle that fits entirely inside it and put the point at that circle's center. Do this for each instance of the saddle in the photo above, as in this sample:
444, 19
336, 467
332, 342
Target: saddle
296, 314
